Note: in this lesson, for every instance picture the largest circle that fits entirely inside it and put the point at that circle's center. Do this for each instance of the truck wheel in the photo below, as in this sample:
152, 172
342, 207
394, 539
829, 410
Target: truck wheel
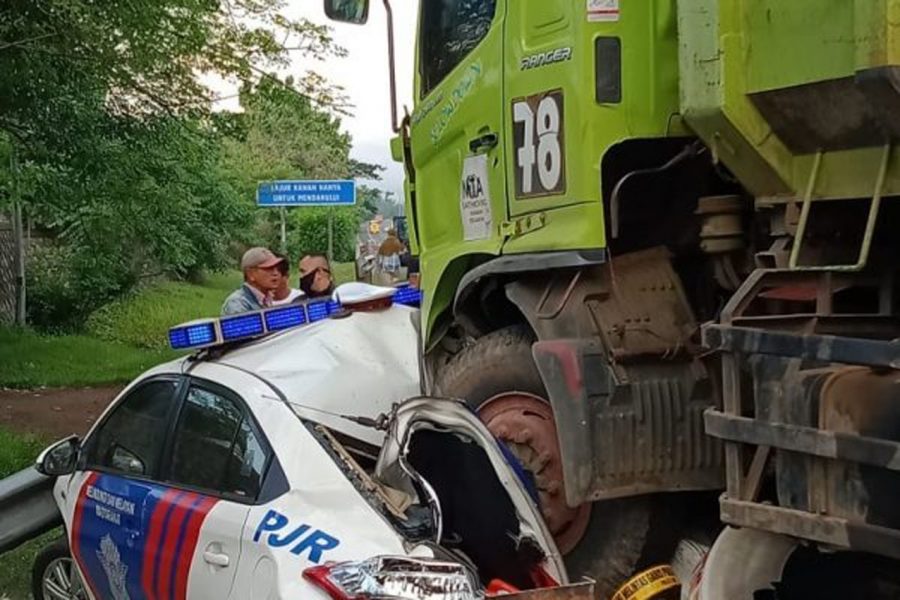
497, 377
54, 574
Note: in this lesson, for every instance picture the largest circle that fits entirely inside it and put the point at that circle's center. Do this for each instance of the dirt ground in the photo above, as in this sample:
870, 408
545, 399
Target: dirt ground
53, 413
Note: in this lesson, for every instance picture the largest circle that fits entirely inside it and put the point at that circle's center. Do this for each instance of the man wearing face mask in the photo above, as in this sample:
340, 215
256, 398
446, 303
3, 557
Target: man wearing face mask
261, 278
316, 280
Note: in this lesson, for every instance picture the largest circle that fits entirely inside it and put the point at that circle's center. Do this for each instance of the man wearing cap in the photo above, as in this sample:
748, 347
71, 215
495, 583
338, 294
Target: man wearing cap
261, 278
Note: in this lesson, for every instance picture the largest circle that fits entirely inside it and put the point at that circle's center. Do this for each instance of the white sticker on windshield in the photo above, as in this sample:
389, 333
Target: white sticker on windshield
475, 199
602, 10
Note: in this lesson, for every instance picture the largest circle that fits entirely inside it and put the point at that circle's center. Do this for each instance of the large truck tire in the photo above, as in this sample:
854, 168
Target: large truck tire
496, 376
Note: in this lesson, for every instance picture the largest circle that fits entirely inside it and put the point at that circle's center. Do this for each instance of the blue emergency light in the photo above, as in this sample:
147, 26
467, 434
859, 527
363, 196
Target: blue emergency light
408, 296
213, 332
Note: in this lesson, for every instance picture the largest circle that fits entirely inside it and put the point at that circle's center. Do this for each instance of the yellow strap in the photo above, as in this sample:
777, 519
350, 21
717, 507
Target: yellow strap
649, 583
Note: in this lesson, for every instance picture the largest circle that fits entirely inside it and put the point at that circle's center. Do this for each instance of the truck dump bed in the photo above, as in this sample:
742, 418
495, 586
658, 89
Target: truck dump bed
835, 91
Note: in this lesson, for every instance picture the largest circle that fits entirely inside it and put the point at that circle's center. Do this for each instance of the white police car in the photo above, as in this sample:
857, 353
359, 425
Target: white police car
252, 471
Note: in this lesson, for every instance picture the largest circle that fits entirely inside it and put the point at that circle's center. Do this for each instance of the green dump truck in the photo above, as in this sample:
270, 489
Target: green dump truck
657, 249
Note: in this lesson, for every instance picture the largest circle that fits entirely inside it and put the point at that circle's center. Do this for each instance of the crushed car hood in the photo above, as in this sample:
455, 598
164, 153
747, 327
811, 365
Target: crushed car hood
359, 365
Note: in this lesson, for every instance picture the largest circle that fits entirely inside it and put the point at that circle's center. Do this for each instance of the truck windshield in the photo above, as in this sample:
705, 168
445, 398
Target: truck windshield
450, 30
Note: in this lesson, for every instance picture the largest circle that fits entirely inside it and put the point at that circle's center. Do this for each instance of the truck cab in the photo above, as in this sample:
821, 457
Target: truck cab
589, 183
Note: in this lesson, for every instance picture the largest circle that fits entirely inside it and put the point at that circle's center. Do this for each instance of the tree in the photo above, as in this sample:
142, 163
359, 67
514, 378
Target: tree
120, 153
281, 135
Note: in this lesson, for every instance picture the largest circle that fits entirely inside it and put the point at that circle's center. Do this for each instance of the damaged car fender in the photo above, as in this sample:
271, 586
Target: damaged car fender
428, 440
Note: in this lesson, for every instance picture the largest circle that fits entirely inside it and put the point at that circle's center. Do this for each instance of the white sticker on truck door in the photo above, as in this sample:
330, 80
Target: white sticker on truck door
475, 199
602, 10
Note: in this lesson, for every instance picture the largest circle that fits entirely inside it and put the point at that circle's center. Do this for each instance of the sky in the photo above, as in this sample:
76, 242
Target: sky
364, 77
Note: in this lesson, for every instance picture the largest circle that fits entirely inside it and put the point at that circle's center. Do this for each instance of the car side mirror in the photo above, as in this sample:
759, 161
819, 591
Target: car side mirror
348, 11
60, 458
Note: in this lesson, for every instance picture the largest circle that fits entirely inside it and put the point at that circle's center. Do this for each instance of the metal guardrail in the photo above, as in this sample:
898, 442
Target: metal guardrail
27, 508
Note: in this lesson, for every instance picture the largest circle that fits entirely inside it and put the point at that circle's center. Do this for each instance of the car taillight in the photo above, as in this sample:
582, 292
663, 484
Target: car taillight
396, 577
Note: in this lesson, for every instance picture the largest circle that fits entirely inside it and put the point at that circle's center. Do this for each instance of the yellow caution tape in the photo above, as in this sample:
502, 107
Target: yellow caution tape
647, 584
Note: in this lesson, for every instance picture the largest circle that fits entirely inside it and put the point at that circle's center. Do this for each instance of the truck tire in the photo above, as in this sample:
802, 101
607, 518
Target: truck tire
612, 539
54, 574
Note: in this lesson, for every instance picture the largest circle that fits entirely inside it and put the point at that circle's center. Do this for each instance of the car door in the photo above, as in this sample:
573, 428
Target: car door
542, 74
214, 470
112, 497
457, 128
158, 505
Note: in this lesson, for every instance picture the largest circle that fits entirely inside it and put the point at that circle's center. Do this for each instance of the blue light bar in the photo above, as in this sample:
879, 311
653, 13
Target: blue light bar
286, 317
242, 326
194, 335
317, 310
211, 332
408, 296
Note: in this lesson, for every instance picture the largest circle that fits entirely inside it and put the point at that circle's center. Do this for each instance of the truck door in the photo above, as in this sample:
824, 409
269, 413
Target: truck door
543, 83
457, 128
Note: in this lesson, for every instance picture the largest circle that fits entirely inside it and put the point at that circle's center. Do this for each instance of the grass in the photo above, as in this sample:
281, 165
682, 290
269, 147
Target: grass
16, 453
144, 318
31, 360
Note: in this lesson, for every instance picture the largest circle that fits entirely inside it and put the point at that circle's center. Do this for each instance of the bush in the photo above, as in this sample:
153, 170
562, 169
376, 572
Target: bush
144, 317
63, 288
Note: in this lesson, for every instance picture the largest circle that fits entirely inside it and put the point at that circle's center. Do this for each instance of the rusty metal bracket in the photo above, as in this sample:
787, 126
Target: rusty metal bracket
564, 299
806, 440
836, 532
871, 221
580, 591
820, 348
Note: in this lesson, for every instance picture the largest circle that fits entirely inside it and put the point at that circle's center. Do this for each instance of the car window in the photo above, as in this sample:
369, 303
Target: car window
450, 30
215, 446
246, 464
130, 440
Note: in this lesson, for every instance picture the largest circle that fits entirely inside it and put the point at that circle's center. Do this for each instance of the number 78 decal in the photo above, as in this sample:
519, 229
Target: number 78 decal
538, 136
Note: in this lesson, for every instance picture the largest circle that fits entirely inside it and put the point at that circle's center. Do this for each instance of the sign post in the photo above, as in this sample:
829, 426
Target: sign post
285, 194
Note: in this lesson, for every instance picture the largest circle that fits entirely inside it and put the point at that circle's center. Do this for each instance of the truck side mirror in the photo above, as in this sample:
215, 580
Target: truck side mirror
60, 458
348, 11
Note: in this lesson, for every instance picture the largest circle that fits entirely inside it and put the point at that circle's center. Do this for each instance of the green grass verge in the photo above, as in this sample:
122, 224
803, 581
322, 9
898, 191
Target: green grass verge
16, 453
31, 360
144, 318
15, 567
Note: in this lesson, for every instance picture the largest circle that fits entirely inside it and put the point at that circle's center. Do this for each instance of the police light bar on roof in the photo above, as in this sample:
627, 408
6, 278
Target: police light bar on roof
205, 333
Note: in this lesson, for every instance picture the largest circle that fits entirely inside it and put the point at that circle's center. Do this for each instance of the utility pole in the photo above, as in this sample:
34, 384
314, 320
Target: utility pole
330, 235
284, 230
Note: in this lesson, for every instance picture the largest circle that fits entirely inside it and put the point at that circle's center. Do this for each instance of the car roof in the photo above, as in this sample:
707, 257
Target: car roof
358, 365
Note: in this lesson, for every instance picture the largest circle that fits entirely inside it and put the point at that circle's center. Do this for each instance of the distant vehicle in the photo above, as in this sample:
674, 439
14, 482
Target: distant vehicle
254, 468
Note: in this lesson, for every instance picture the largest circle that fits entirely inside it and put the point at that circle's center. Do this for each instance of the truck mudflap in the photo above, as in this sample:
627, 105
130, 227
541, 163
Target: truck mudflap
813, 398
623, 438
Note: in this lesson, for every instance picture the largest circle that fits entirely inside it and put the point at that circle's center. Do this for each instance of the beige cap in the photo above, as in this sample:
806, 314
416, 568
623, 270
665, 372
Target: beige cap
259, 257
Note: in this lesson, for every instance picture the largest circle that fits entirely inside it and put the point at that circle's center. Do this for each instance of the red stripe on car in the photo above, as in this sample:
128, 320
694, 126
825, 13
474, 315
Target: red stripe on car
77, 518
154, 535
192, 536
